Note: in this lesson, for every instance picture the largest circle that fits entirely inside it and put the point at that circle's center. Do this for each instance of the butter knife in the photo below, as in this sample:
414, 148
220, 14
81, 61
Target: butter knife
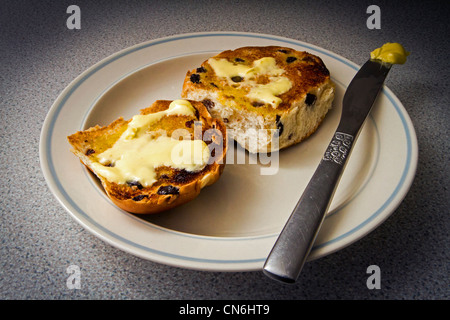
295, 241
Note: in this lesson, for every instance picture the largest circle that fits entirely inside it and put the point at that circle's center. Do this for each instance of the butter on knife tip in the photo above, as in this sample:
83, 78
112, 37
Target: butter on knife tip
390, 52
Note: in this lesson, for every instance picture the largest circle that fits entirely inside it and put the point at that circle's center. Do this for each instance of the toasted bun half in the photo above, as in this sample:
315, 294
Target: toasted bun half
172, 186
268, 97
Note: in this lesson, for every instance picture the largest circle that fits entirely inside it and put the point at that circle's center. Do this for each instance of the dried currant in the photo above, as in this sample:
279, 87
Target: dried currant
309, 59
257, 104
290, 59
212, 149
140, 197
135, 184
195, 78
89, 152
201, 70
310, 99
237, 78
197, 114
183, 176
208, 104
280, 126
168, 190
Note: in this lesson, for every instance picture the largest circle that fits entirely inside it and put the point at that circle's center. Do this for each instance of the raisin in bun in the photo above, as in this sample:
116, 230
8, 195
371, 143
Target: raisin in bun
157, 160
268, 97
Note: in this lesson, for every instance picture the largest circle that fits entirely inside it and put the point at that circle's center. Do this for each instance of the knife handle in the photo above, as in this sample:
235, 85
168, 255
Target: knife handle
295, 241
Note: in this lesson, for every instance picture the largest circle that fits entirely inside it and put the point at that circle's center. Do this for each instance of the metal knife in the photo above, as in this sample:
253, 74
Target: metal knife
295, 241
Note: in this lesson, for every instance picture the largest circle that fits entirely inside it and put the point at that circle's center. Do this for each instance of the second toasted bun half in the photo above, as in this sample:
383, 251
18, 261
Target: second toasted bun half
229, 82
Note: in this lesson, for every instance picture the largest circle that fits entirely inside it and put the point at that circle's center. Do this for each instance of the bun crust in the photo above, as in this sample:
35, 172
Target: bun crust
173, 187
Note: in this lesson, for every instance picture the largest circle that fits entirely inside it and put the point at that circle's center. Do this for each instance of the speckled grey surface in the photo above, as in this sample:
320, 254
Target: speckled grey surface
39, 58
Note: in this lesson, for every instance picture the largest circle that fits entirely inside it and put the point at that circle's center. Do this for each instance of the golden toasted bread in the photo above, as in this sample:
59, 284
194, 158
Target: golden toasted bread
157, 160
268, 97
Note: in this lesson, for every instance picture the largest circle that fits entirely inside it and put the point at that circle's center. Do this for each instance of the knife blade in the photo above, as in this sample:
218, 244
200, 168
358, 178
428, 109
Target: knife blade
290, 252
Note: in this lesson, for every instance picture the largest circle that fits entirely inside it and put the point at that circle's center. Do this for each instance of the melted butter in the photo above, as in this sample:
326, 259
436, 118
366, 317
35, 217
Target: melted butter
266, 93
392, 53
225, 69
140, 123
267, 66
137, 153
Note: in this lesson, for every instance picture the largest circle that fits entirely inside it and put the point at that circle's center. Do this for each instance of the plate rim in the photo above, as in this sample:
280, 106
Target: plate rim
392, 202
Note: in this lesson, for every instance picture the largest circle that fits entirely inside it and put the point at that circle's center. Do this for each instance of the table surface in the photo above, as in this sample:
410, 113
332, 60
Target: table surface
40, 56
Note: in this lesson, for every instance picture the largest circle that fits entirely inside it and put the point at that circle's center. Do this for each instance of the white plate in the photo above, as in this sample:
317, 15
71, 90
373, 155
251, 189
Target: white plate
234, 223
